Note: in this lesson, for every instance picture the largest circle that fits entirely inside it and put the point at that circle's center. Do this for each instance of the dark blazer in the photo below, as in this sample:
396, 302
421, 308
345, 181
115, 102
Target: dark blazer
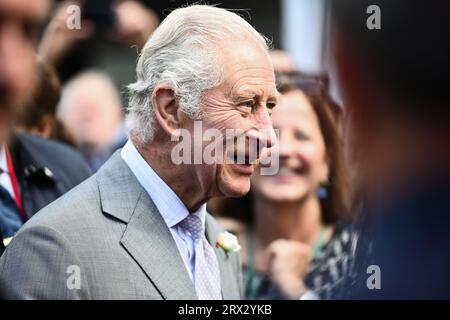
46, 169
2, 247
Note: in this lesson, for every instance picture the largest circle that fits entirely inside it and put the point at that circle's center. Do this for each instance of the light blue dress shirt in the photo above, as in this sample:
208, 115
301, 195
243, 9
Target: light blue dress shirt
171, 208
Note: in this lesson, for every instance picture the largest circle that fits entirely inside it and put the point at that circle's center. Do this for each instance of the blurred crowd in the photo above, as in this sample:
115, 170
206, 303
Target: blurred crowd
363, 183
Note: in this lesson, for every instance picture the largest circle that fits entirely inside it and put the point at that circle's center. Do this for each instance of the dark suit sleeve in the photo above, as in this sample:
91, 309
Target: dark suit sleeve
39, 264
2, 247
71, 166
58, 167
65, 162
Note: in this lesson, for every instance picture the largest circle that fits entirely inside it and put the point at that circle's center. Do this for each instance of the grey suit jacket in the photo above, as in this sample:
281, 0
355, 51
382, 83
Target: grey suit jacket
105, 239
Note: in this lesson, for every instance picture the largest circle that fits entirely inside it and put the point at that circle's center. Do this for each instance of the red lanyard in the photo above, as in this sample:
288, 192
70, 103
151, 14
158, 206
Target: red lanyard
15, 186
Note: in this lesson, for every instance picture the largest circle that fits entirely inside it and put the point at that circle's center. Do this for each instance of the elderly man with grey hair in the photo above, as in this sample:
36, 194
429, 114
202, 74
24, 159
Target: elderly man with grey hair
138, 229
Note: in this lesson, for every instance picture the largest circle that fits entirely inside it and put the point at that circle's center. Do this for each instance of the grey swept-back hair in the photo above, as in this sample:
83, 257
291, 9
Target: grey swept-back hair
182, 53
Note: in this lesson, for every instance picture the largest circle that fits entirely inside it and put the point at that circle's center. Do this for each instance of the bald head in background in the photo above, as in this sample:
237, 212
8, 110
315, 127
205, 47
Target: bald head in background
91, 108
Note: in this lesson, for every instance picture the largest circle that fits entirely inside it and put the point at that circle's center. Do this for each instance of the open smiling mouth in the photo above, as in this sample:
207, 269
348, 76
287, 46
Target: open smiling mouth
243, 168
242, 163
286, 174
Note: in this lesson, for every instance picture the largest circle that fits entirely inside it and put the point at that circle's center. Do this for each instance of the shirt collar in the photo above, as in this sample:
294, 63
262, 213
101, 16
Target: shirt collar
170, 206
3, 163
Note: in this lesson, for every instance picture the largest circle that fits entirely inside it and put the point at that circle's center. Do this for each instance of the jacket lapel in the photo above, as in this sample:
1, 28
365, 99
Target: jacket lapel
146, 237
38, 188
151, 244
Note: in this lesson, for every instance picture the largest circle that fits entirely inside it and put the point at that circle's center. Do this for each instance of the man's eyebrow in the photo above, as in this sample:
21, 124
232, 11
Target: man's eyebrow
244, 96
275, 97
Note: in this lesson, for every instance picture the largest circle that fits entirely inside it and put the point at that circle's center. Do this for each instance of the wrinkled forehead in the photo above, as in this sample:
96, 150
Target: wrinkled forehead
26, 10
238, 55
247, 65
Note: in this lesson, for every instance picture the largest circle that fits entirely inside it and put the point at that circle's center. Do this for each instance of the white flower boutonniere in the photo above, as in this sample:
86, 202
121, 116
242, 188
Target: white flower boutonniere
228, 242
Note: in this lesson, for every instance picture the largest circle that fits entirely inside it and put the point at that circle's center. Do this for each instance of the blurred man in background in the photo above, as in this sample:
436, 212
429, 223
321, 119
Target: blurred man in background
33, 171
395, 83
91, 110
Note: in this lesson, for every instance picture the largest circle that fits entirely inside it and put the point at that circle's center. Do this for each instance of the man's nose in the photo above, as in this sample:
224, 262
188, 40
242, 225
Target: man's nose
265, 132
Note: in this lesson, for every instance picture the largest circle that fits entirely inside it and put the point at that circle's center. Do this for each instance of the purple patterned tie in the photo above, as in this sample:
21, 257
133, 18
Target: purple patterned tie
207, 273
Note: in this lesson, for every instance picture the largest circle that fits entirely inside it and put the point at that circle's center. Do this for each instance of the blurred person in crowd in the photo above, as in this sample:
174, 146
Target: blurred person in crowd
132, 23
109, 34
141, 219
33, 171
395, 78
293, 226
283, 62
91, 110
39, 117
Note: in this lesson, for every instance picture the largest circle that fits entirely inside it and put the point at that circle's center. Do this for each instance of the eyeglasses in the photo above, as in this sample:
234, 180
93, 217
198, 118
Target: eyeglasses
308, 84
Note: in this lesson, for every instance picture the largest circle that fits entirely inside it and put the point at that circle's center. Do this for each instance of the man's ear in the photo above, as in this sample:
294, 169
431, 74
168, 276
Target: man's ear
165, 106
